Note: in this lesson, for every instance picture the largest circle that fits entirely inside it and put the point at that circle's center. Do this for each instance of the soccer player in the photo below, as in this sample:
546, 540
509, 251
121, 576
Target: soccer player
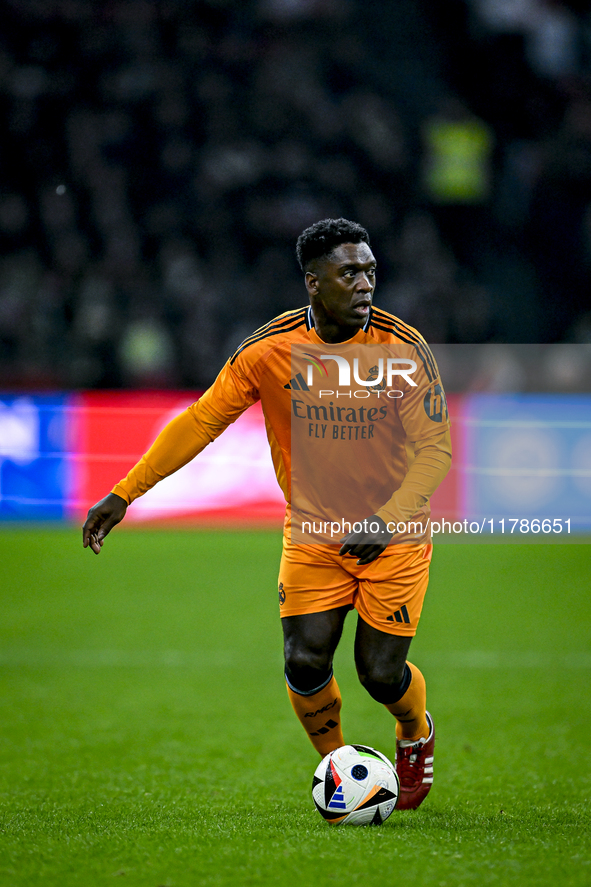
379, 450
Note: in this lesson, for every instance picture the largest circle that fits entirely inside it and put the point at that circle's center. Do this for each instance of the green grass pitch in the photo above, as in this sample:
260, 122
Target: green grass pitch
146, 738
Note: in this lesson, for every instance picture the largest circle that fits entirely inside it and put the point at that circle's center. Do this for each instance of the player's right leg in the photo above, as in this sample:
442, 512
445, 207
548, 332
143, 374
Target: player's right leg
309, 642
315, 595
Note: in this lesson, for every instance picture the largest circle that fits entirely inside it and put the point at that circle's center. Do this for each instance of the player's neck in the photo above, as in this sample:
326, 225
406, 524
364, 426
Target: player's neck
331, 332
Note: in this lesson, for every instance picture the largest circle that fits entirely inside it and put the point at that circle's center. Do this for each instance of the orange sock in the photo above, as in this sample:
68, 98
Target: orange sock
409, 711
320, 716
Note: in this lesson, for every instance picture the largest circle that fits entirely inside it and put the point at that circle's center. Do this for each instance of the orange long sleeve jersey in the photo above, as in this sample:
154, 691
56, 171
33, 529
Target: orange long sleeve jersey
389, 453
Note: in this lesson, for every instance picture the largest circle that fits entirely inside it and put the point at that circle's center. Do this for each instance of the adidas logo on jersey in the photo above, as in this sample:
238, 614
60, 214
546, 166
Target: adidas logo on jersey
298, 383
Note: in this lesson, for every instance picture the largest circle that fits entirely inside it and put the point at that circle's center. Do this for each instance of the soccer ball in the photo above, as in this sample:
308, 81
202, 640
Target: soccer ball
356, 785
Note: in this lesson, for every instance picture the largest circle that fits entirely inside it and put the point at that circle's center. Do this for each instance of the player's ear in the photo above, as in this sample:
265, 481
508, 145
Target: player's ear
311, 279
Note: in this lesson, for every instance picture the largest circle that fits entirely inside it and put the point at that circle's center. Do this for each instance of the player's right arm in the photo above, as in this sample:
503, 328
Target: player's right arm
176, 445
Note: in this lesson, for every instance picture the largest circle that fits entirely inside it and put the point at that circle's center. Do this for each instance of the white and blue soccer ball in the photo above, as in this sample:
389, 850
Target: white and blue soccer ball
355, 785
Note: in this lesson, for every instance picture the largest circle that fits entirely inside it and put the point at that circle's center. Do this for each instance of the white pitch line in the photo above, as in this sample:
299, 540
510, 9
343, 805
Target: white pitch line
497, 659
471, 659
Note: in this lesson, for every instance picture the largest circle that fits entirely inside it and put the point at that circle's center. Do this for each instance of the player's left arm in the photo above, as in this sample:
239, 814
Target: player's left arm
425, 420
431, 464
424, 417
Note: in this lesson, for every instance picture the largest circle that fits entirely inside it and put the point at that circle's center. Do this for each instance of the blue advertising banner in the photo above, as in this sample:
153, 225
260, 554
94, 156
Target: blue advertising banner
34, 465
527, 458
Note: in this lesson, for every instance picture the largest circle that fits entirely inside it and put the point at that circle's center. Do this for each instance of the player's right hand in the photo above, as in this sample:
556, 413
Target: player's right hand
101, 519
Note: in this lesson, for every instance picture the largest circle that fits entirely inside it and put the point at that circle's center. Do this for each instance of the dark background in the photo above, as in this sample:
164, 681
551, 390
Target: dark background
159, 159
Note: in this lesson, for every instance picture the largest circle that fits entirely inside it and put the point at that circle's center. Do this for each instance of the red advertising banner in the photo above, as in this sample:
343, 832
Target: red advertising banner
231, 482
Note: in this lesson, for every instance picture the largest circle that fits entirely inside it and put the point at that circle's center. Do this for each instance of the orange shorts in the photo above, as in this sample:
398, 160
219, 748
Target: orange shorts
388, 593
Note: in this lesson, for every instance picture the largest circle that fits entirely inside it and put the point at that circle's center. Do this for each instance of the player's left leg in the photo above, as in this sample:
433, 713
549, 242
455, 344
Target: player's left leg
389, 604
399, 685
389, 678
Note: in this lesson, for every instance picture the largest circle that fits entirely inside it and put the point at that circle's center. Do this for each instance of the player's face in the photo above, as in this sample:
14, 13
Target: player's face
341, 291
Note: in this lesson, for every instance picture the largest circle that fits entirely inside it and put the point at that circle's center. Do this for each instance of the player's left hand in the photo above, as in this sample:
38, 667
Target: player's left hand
368, 544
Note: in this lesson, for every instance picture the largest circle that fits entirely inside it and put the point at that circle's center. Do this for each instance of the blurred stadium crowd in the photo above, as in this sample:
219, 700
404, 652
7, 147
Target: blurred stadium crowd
158, 159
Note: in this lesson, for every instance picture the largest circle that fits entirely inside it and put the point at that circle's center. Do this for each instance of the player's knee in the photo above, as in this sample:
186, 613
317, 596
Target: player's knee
384, 683
307, 668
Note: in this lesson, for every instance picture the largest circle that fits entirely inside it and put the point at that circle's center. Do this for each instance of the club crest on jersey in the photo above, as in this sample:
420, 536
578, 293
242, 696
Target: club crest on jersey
435, 404
374, 377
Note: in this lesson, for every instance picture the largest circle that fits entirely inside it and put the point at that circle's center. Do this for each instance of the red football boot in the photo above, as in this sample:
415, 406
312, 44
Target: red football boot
414, 765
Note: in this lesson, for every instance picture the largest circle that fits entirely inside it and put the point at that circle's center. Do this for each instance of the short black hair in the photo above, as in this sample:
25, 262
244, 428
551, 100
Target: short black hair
321, 238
